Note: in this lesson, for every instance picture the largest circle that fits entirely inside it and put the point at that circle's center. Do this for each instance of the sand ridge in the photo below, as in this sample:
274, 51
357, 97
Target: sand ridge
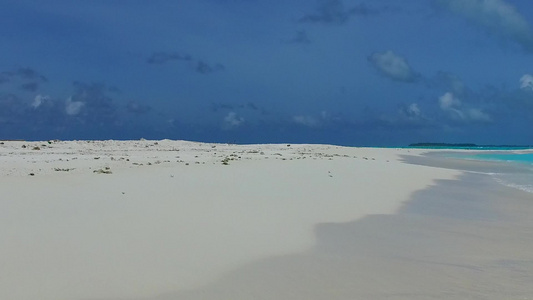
20, 158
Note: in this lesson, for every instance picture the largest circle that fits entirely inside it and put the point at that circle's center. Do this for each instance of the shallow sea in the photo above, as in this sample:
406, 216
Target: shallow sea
520, 158
522, 179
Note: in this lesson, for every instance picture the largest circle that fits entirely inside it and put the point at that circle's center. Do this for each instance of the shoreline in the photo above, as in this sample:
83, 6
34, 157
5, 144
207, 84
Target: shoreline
172, 216
475, 246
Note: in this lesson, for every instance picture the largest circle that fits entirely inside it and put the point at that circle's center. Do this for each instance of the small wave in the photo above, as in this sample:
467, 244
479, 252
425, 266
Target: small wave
523, 187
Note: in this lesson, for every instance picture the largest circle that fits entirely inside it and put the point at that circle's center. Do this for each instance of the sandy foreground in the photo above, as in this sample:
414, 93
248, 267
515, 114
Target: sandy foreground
185, 220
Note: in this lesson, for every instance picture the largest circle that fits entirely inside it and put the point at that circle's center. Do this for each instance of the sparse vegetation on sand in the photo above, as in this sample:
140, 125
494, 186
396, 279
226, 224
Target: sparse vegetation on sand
105, 170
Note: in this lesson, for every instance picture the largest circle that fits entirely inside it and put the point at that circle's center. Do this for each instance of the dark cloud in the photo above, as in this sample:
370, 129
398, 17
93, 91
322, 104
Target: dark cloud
27, 74
507, 104
89, 112
334, 12
11, 108
11, 117
20, 119
459, 104
301, 37
91, 103
164, 57
30, 86
205, 68
215, 107
497, 17
402, 122
47, 112
251, 106
24, 74
27, 78
30, 74
200, 66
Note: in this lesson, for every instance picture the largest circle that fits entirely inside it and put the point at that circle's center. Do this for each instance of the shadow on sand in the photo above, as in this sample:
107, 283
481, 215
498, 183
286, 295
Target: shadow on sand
469, 238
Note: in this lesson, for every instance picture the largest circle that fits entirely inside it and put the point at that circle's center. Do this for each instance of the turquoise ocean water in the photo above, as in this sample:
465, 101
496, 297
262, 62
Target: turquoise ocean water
521, 158
522, 180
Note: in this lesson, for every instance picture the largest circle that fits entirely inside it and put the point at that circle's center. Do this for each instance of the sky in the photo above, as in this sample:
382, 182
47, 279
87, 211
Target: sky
345, 72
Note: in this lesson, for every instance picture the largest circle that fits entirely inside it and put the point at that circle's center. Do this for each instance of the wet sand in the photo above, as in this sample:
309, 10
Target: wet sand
469, 238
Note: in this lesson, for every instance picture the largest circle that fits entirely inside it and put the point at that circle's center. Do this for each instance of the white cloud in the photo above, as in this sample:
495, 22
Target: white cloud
393, 66
413, 110
453, 106
308, 121
497, 16
407, 116
322, 118
232, 120
448, 101
411, 113
73, 108
39, 99
478, 115
526, 82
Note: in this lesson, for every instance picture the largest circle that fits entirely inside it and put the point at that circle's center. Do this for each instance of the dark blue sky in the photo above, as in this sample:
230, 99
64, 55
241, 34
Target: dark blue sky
351, 72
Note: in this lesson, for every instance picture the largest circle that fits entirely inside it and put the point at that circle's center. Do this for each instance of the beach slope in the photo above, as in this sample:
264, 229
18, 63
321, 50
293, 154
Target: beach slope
140, 219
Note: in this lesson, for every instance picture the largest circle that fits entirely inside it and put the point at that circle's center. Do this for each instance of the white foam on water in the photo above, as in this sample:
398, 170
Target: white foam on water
523, 187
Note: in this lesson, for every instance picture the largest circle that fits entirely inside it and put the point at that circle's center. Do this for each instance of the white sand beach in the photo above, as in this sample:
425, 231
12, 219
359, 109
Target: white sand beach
171, 215
142, 219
